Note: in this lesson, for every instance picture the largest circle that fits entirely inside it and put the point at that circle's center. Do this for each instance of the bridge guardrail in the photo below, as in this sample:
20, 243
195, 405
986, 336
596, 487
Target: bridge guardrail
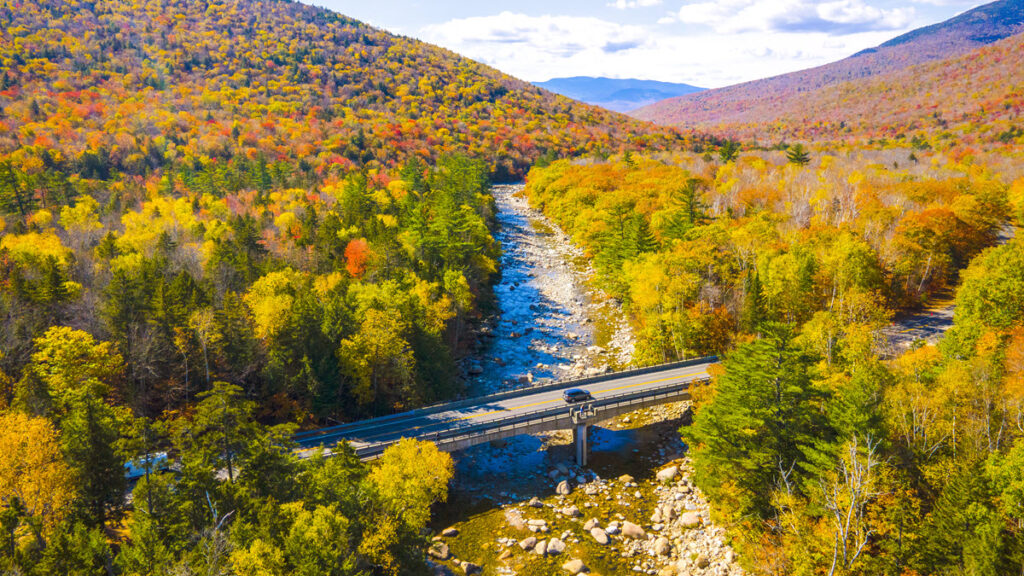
529, 419
568, 382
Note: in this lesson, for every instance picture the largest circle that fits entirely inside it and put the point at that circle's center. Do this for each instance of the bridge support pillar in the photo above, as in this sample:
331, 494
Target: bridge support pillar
580, 431
579, 434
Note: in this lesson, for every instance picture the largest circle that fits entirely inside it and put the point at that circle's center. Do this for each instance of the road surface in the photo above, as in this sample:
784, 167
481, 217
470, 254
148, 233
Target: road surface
443, 420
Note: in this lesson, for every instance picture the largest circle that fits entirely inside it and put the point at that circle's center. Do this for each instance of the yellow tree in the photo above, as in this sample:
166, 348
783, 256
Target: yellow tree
36, 486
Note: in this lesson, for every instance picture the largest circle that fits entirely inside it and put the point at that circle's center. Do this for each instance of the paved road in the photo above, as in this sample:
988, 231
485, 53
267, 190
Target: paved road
424, 424
928, 325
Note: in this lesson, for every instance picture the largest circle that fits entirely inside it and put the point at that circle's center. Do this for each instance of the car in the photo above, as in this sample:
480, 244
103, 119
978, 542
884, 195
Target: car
574, 395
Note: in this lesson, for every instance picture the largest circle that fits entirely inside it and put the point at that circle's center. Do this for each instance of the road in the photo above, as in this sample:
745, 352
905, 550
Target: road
452, 419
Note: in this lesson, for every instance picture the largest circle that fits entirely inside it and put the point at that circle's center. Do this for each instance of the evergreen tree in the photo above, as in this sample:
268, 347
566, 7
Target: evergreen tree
797, 154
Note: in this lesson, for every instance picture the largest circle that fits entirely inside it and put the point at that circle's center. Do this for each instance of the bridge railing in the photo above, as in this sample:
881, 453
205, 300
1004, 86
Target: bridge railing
310, 436
531, 419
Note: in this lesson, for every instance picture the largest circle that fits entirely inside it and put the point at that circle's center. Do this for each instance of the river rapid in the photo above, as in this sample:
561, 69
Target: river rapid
550, 323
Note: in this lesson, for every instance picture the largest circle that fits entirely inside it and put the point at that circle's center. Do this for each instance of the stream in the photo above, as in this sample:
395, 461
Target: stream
550, 323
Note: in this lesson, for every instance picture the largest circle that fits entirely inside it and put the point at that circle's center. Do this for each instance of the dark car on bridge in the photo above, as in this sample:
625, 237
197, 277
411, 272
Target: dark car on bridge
574, 395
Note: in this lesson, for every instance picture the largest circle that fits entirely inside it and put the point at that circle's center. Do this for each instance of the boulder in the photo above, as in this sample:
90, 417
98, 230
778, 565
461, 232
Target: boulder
575, 567
535, 503
668, 473
599, 535
439, 550
702, 561
563, 488
562, 469
662, 547
589, 524
555, 546
470, 568
536, 522
630, 530
625, 478
540, 548
528, 543
449, 532
689, 519
505, 555
669, 570
572, 511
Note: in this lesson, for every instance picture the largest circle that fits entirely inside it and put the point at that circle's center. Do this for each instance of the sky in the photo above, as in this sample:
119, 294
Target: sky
705, 43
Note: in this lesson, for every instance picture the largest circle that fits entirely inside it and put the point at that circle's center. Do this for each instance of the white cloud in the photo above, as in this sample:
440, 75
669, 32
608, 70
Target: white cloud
542, 47
833, 17
624, 4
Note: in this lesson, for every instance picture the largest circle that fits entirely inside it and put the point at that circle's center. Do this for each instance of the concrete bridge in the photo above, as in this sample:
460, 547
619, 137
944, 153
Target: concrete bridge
464, 423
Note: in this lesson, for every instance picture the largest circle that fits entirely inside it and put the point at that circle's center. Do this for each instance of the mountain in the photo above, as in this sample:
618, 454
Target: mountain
621, 95
271, 78
761, 101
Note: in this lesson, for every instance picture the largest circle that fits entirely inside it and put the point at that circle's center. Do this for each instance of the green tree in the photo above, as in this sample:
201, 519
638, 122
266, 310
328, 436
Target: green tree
797, 154
764, 419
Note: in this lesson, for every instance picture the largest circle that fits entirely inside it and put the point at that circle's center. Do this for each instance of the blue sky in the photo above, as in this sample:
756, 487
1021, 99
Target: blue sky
707, 43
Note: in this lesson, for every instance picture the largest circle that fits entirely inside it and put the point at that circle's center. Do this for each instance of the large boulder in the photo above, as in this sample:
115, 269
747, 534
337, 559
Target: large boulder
575, 567
563, 488
470, 568
555, 546
528, 543
689, 519
630, 530
541, 548
668, 473
439, 550
599, 535
450, 532
662, 547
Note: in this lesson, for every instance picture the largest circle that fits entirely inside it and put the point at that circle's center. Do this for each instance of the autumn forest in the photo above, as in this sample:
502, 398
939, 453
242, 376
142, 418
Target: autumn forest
225, 222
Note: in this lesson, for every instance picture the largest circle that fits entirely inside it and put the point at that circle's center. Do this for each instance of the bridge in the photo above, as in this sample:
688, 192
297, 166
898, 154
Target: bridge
464, 423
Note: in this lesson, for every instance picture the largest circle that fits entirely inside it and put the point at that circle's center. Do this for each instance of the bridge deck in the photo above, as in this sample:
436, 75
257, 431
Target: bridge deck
459, 424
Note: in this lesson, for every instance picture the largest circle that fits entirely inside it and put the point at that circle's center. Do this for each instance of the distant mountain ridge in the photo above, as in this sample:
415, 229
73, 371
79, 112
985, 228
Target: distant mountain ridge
761, 100
620, 95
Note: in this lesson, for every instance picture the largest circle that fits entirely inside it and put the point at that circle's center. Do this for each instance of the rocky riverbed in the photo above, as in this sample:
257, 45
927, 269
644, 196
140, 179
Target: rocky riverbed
550, 323
633, 511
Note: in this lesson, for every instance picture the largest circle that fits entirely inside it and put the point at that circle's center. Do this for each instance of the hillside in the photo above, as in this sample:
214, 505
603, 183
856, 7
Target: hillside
621, 95
762, 101
139, 84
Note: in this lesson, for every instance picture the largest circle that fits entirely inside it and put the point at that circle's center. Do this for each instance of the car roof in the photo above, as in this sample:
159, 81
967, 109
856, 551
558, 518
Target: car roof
574, 390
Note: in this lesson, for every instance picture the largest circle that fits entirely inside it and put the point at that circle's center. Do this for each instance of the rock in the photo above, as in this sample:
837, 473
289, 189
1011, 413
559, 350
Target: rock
702, 561
475, 370
630, 530
689, 519
537, 523
470, 568
563, 488
562, 469
613, 528
536, 503
656, 517
541, 548
590, 524
575, 567
600, 536
591, 490
449, 532
625, 478
668, 474
669, 570
662, 547
528, 543
439, 550
572, 511
505, 555
555, 546
730, 556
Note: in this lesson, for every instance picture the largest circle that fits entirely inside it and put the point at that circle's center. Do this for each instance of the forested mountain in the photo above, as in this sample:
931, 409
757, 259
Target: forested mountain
744, 109
221, 219
621, 95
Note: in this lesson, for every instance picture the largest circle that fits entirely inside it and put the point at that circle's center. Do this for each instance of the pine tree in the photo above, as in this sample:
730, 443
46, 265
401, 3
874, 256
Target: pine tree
797, 154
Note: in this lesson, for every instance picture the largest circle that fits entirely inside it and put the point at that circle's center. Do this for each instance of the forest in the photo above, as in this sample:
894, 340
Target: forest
224, 221
822, 448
